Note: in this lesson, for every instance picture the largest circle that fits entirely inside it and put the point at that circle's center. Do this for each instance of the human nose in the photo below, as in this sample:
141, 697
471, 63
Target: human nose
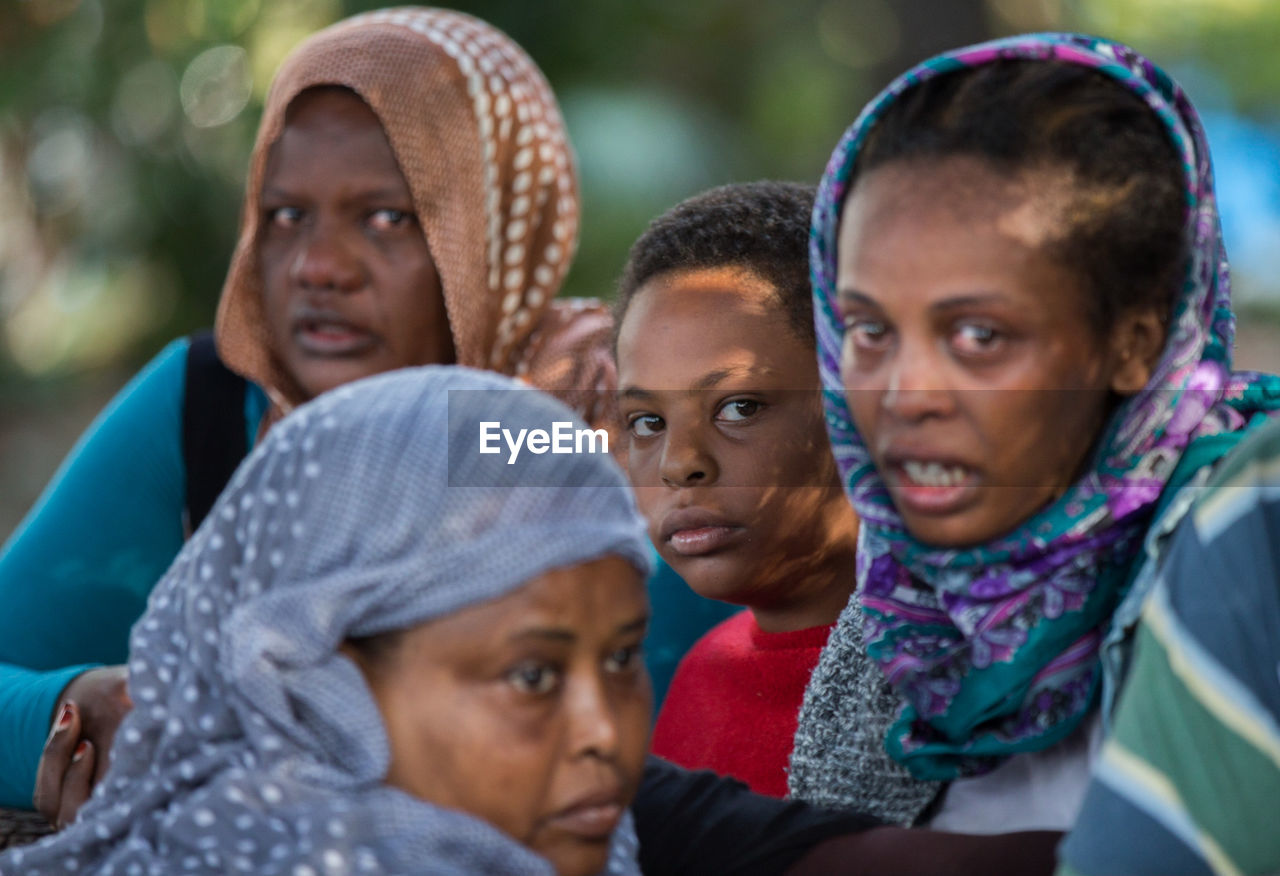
325, 261
915, 386
685, 459
593, 720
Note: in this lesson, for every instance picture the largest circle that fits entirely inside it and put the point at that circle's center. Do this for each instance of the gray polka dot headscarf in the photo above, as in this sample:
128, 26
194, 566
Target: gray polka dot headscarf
253, 745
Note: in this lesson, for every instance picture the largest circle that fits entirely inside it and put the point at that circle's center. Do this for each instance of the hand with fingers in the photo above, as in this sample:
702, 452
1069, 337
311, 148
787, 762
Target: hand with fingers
76, 753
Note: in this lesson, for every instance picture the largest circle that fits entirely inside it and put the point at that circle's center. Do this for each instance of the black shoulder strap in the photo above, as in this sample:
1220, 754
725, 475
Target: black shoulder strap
214, 432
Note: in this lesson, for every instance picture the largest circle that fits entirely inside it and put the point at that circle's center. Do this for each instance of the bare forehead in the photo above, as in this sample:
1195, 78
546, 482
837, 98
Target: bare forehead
328, 126
1030, 205
579, 602
331, 110
732, 288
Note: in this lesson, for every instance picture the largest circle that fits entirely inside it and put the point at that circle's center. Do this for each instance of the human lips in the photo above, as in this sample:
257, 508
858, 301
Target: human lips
929, 483
592, 816
694, 532
328, 333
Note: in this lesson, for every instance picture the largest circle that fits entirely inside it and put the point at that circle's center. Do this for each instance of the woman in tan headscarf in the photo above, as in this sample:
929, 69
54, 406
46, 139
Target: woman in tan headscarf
411, 200
478, 137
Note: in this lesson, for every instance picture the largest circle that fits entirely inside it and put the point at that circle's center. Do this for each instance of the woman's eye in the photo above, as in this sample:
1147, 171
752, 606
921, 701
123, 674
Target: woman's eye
869, 334
388, 218
974, 337
738, 409
645, 425
284, 217
535, 679
624, 659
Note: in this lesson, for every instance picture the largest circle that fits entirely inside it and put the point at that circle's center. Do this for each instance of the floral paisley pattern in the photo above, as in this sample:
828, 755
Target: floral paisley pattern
995, 648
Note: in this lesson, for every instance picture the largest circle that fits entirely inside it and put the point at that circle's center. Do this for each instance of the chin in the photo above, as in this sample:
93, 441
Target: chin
317, 381
715, 578
579, 858
955, 534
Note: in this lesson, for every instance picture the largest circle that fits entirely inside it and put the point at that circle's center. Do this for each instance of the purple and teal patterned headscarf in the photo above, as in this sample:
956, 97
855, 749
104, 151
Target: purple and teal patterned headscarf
995, 648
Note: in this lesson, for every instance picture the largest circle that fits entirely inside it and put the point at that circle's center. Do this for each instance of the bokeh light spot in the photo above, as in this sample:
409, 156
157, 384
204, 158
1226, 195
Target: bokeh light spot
146, 103
216, 86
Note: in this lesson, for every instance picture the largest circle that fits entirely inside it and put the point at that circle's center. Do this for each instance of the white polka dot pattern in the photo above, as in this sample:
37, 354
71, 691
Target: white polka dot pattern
254, 746
517, 117
482, 145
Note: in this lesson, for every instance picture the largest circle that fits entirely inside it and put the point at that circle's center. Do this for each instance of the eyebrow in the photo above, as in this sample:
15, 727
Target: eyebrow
713, 378
372, 194
550, 634
636, 626
555, 634
853, 296
974, 300
274, 192
635, 392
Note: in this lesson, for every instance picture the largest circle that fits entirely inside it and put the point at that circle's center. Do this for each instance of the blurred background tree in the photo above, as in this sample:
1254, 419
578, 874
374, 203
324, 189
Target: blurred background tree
125, 127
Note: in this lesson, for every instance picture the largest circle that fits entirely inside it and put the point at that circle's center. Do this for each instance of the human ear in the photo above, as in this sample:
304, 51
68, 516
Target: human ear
1137, 339
356, 655
372, 654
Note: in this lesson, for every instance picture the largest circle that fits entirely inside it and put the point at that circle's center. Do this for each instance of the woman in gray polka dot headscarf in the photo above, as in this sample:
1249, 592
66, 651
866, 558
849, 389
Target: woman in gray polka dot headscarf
386, 652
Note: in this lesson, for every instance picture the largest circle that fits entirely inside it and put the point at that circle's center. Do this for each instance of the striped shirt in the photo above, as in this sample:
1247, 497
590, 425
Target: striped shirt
1189, 781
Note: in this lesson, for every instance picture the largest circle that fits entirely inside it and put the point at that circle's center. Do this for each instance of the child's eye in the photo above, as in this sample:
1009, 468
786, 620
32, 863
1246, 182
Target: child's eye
738, 409
388, 218
976, 338
645, 425
284, 217
534, 678
624, 659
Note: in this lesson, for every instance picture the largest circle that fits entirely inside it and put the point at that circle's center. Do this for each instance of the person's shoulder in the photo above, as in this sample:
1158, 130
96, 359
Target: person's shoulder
723, 644
588, 311
156, 387
726, 638
1256, 460
570, 354
171, 358
1247, 482
570, 326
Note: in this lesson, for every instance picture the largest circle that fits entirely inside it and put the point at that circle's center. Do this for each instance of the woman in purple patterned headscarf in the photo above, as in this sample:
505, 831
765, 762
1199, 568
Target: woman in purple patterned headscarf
1024, 335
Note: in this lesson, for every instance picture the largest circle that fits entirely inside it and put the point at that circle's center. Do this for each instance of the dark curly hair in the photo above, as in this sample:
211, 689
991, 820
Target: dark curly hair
760, 226
1125, 234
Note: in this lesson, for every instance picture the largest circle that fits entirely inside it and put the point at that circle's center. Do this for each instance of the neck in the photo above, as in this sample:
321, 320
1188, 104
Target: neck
812, 585
814, 601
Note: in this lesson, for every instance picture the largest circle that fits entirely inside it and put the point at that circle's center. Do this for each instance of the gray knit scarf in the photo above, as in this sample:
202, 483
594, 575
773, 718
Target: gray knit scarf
839, 760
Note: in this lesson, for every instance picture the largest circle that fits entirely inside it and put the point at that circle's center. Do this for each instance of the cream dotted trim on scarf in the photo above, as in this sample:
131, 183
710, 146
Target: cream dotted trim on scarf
499, 78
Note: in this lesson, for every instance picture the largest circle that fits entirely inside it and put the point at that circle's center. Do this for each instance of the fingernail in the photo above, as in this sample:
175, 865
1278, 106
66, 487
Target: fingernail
80, 750
65, 718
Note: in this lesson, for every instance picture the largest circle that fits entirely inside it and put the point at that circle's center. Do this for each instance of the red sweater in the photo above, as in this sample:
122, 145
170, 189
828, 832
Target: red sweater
735, 699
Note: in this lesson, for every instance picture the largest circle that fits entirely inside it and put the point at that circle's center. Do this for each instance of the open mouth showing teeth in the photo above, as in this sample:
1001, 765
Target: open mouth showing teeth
324, 327
934, 474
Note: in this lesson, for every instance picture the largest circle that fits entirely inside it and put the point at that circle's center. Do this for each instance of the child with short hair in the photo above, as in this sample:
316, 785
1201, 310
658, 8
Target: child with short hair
728, 454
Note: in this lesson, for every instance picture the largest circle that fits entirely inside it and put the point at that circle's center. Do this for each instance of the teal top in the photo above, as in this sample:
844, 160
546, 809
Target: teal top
76, 573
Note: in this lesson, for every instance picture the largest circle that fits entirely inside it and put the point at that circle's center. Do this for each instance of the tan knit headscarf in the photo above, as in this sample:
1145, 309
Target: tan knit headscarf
479, 139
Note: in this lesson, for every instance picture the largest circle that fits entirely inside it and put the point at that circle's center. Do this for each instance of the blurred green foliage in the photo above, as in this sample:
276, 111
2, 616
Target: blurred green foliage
125, 127
1235, 39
